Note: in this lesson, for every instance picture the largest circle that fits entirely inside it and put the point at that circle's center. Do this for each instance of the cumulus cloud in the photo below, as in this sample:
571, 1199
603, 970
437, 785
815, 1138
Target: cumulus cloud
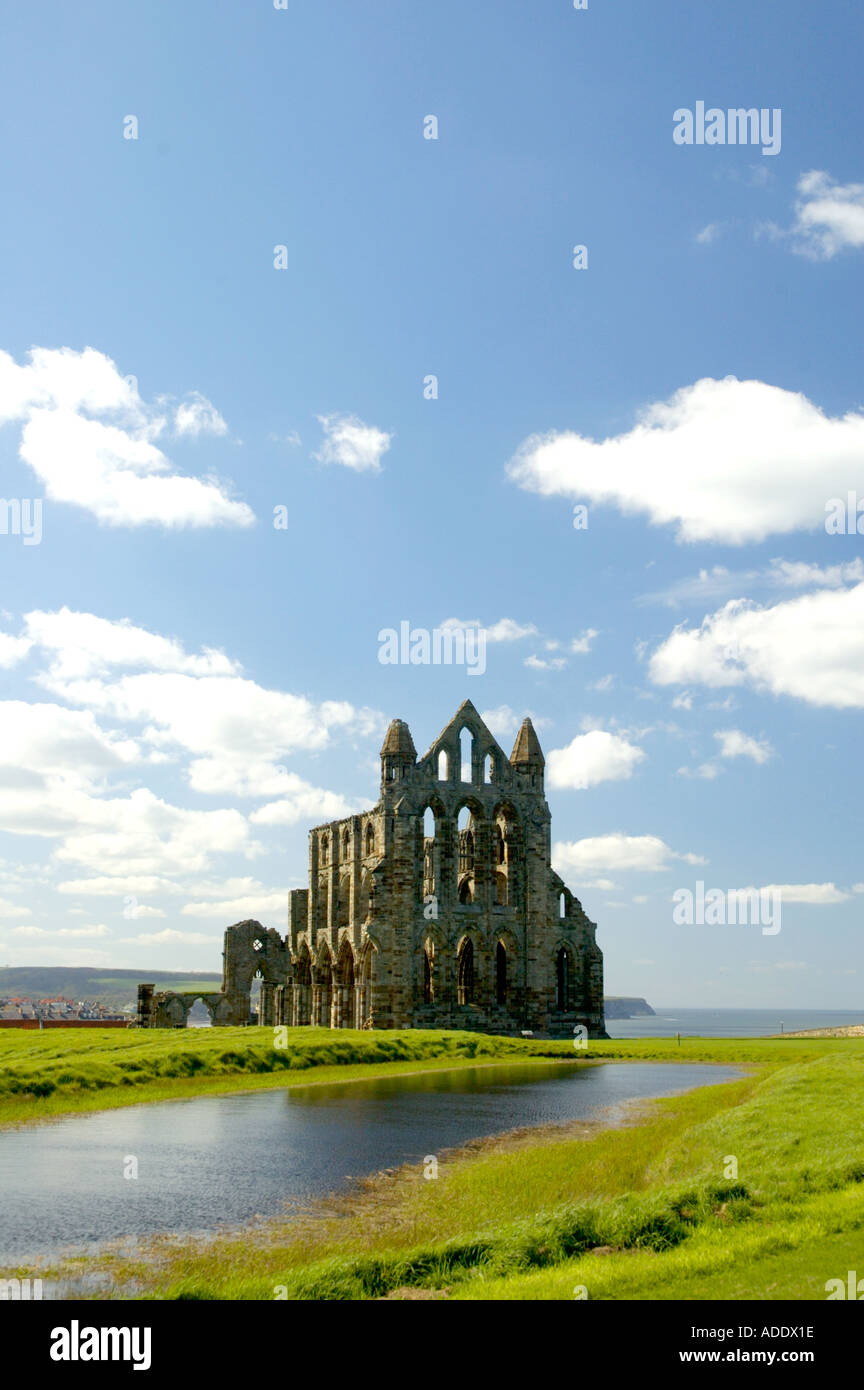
352, 444
829, 216
810, 647
88, 436
582, 644
735, 744
196, 415
723, 460
592, 758
616, 852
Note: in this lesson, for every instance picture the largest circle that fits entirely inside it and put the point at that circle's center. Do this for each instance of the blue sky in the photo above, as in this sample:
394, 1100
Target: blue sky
188, 688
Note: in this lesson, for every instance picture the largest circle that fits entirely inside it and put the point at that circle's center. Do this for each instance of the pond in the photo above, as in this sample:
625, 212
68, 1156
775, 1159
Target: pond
222, 1160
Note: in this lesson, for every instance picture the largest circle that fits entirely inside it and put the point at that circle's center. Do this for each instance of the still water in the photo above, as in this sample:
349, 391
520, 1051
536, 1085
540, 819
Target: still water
222, 1160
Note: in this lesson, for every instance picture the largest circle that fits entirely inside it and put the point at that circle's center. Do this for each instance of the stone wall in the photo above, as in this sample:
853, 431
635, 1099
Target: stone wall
465, 927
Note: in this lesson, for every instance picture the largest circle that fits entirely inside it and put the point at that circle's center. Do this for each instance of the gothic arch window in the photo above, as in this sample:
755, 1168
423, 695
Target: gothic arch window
563, 979
343, 905
501, 890
488, 769
429, 834
466, 749
562, 905
346, 845
428, 987
325, 849
443, 766
501, 973
370, 839
465, 980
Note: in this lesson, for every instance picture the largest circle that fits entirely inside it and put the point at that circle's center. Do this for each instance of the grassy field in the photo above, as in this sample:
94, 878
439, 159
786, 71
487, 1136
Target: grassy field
751, 1189
63, 1071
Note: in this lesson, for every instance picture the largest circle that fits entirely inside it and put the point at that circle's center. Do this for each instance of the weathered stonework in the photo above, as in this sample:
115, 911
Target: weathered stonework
462, 928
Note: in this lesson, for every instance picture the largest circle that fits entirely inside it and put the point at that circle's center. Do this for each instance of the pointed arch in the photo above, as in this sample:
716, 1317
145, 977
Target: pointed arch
466, 754
302, 987
501, 979
322, 988
366, 987
466, 977
344, 987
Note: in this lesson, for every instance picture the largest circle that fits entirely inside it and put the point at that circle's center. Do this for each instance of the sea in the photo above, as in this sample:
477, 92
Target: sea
728, 1023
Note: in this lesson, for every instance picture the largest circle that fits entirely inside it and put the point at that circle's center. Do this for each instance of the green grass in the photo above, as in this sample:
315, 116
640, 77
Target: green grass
522, 1218
519, 1217
62, 1071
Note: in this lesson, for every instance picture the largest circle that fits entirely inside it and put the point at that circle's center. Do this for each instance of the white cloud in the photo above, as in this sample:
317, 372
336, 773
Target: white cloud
728, 461
829, 216
711, 586
616, 852
61, 931
82, 644
10, 909
351, 443
109, 467
237, 909
196, 415
235, 729
592, 758
735, 744
810, 647
709, 233
501, 721
303, 802
170, 937
12, 650
817, 894
583, 643
707, 771
539, 663
505, 630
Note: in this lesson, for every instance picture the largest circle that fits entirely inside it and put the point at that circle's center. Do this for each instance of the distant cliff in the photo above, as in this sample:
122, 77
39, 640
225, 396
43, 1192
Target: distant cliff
624, 1006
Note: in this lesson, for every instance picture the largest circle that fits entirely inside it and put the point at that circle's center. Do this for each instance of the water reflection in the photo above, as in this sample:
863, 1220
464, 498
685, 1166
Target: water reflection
225, 1159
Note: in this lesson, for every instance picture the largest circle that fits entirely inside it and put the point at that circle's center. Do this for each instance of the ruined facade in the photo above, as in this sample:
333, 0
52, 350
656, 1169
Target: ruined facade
438, 908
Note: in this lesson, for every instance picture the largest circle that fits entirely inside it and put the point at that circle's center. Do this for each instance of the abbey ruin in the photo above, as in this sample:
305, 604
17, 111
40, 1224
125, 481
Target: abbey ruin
438, 908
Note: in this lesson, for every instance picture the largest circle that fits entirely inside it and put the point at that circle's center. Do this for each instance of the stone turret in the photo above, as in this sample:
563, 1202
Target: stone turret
398, 754
527, 756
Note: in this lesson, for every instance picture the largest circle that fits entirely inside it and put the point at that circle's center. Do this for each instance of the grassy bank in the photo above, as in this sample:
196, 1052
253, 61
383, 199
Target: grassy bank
60, 1071
650, 1210
751, 1189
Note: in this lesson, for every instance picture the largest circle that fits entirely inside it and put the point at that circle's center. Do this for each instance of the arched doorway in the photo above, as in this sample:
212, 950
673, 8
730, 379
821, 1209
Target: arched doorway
344, 998
465, 976
366, 990
501, 974
302, 988
322, 991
